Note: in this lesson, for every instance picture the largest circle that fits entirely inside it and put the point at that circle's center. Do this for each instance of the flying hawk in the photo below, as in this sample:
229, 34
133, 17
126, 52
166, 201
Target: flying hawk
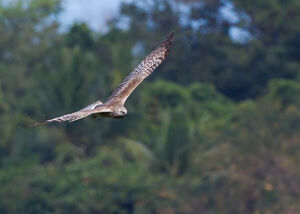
114, 106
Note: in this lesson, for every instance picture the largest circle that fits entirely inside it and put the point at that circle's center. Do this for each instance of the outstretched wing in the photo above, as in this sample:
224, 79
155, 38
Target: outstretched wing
89, 110
143, 70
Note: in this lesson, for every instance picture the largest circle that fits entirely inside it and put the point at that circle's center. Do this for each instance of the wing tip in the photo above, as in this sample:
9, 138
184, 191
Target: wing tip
37, 124
171, 34
170, 37
167, 43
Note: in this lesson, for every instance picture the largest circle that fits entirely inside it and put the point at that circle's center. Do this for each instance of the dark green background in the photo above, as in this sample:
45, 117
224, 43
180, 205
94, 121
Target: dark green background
215, 129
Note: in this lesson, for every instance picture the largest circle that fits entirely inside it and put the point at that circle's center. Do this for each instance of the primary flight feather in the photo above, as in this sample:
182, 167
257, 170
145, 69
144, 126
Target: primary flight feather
114, 107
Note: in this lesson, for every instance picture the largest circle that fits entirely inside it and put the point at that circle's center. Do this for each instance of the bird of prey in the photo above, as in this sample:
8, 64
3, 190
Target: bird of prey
114, 106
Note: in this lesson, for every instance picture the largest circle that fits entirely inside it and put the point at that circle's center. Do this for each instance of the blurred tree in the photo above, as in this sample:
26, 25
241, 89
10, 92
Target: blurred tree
205, 48
80, 35
28, 36
185, 147
178, 143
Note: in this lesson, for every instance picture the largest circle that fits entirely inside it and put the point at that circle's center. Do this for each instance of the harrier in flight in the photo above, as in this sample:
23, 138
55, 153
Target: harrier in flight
114, 106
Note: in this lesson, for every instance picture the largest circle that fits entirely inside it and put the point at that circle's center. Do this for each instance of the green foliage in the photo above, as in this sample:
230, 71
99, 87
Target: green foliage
285, 92
215, 129
243, 69
78, 187
178, 142
80, 35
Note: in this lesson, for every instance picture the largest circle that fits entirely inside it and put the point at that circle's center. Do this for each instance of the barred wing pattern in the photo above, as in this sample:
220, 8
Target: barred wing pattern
68, 117
90, 109
143, 70
119, 96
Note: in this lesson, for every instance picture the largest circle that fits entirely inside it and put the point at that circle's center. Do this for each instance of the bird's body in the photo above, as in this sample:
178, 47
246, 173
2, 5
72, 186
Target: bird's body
116, 112
114, 107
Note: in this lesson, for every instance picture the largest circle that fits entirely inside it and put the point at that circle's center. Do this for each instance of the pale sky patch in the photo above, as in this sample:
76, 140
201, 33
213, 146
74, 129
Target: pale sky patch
95, 13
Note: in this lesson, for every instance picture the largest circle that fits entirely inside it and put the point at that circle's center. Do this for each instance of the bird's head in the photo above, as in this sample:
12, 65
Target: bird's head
123, 111
120, 112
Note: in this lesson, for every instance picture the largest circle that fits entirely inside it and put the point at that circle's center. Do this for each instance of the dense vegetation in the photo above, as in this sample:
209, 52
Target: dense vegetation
216, 129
